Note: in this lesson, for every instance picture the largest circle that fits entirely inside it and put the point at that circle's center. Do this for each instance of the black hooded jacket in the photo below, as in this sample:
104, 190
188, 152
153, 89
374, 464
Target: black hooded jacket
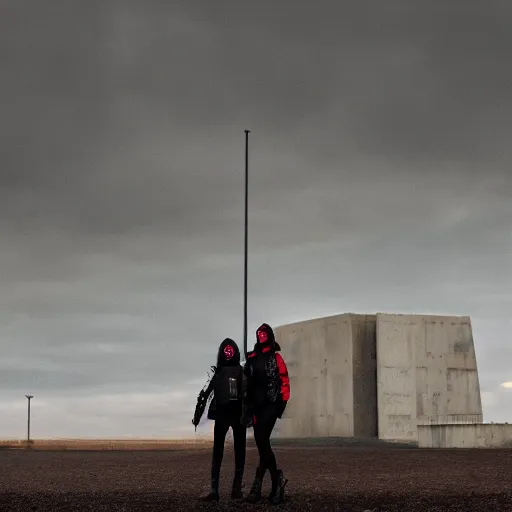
266, 372
227, 383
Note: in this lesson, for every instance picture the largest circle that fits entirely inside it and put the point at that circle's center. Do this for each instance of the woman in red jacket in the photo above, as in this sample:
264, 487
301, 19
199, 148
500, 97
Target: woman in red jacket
268, 391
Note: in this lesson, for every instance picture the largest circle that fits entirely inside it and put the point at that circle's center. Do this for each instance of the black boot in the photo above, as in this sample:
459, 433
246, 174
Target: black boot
214, 492
274, 475
255, 492
236, 490
278, 484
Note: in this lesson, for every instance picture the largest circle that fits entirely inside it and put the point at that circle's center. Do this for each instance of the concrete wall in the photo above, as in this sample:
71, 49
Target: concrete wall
426, 369
332, 366
367, 375
483, 435
364, 364
449, 419
397, 339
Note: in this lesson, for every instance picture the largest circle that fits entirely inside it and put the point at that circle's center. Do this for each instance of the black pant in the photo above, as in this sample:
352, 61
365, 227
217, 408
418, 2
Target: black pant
266, 417
222, 424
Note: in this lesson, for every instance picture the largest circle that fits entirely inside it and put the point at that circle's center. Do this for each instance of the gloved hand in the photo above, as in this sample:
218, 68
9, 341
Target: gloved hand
280, 408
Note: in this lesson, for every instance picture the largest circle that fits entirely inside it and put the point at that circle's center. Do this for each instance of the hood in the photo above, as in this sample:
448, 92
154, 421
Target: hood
270, 343
229, 353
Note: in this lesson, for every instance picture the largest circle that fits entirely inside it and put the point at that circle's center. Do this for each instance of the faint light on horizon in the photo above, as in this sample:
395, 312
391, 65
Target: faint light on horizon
507, 385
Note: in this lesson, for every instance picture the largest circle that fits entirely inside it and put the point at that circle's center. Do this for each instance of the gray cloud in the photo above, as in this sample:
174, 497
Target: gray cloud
379, 182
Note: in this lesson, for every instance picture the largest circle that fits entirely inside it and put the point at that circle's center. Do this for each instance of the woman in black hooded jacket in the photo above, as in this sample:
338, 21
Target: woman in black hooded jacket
227, 409
268, 391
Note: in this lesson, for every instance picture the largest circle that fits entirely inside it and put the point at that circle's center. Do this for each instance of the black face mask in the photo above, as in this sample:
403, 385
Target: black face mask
265, 335
228, 354
265, 339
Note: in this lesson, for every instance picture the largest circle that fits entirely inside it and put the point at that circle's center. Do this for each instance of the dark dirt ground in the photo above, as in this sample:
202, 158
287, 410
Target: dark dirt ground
349, 478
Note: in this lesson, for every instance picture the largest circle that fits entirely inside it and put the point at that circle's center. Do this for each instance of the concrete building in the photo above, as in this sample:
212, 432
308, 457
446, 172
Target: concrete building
478, 435
369, 376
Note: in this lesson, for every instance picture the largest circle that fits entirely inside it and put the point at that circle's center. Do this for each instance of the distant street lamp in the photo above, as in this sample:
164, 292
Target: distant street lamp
28, 423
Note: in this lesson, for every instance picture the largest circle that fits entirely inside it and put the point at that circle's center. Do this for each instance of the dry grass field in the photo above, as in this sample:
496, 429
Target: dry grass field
107, 444
321, 477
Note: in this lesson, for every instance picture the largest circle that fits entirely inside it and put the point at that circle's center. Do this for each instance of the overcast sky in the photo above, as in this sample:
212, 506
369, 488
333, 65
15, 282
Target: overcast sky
380, 181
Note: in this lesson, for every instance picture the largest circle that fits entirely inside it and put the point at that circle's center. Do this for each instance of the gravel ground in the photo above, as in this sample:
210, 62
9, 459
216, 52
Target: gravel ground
328, 478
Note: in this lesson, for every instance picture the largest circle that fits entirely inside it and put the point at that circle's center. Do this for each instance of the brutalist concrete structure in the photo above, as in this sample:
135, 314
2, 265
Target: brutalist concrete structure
378, 376
476, 435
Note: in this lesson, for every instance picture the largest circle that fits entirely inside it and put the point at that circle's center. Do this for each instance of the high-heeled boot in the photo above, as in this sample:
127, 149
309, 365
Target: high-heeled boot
255, 492
278, 484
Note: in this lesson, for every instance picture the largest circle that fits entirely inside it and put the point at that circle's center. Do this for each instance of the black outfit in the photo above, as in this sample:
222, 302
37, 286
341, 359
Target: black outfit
266, 420
227, 409
222, 424
268, 391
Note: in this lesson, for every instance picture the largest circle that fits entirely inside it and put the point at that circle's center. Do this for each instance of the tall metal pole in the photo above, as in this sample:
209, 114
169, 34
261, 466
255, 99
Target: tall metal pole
28, 421
246, 229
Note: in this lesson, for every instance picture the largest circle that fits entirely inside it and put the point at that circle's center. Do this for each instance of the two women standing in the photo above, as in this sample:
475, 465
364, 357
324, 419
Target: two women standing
256, 396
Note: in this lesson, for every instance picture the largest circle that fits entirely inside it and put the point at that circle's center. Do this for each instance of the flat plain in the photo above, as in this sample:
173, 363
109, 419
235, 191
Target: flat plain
321, 476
